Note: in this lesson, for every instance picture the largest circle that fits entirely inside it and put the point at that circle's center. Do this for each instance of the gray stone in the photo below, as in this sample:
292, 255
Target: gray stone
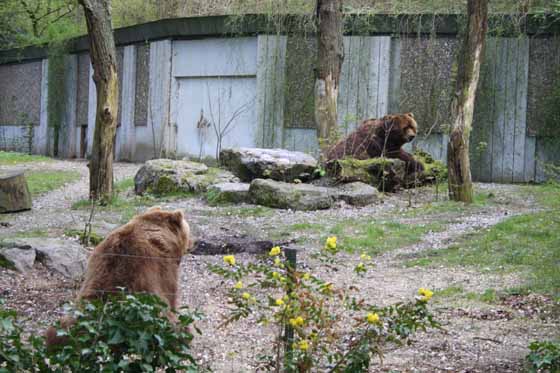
357, 194
63, 256
228, 193
386, 174
20, 257
277, 164
282, 195
163, 176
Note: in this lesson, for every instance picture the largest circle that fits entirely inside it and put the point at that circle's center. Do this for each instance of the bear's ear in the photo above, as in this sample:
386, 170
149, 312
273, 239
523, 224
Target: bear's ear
409, 114
177, 217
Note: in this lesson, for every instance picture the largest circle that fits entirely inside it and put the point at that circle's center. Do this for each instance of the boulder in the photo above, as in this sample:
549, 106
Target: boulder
19, 257
277, 164
283, 195
357, 194
63, 256
386, 174
228, 193
434, 171
164, 176
14, 192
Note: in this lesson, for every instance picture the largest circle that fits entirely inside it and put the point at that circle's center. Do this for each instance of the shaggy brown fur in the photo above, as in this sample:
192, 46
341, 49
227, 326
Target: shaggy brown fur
379, 138
143, 255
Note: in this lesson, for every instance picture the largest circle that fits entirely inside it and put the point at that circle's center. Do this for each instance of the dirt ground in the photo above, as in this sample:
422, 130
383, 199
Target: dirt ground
476, 336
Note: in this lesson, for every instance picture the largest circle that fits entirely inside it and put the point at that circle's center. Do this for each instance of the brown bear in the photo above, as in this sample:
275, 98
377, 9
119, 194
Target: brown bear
143, 255
380, 138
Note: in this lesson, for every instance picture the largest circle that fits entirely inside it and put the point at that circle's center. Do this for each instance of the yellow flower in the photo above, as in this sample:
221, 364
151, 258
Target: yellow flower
331, 243
306, 276
298, 321
372, 318
360, 267
275, 275
279, 301
425, 293
246, 296
303, 345
277, 261
365, 257
238, 285
275, 251
229, 259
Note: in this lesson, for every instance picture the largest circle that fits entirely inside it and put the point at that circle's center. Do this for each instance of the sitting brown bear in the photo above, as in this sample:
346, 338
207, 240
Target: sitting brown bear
143, 255
380, 138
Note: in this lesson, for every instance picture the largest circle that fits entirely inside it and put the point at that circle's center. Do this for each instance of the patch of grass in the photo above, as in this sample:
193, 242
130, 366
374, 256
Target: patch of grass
124, 185
375, 237
526, 243
305, 227
26, 234
442, 207
13, 158
547, 195
449, 292
94, 238
44, 181
244, 212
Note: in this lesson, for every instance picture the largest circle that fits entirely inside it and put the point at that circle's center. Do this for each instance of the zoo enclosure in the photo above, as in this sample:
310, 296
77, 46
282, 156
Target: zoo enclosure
191, 85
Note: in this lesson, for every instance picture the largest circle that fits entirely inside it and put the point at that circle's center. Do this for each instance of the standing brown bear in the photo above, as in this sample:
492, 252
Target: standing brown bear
142, 256
380, 138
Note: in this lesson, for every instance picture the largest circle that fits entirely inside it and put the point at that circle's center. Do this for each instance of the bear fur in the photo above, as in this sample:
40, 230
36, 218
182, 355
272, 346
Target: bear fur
380, 138
143, 255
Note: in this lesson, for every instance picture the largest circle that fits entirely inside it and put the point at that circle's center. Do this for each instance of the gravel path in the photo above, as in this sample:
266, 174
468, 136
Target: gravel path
473, 340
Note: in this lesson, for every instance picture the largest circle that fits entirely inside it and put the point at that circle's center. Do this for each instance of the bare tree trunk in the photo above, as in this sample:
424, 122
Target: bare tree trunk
329, 64
104, 62
460, 181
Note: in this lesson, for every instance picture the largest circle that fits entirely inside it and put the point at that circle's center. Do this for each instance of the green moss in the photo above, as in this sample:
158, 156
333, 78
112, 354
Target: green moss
164, 185
432, 168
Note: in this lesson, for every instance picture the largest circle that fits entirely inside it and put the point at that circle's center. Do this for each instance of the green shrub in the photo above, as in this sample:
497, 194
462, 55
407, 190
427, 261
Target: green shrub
127, 333
544, 357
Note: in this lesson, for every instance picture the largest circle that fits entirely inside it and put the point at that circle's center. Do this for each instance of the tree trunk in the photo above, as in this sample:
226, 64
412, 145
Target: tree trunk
329, 63
462, 107
104, 62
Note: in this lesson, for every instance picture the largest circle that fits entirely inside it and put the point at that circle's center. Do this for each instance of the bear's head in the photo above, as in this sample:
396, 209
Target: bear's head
174, 222
399, 128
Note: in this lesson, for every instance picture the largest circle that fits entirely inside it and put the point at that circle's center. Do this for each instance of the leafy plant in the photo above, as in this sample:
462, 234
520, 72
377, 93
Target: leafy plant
318, 327
544, 356
128, 333
15, 354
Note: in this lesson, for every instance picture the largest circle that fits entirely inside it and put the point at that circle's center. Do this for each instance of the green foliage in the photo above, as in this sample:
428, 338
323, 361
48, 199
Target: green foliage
14, 158
128, 333
15, 354
544, 356
44, 181
319, 327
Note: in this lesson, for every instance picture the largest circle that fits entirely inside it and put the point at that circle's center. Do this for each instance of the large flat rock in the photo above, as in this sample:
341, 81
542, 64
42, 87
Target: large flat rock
163, 176
283, 195
277, 164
